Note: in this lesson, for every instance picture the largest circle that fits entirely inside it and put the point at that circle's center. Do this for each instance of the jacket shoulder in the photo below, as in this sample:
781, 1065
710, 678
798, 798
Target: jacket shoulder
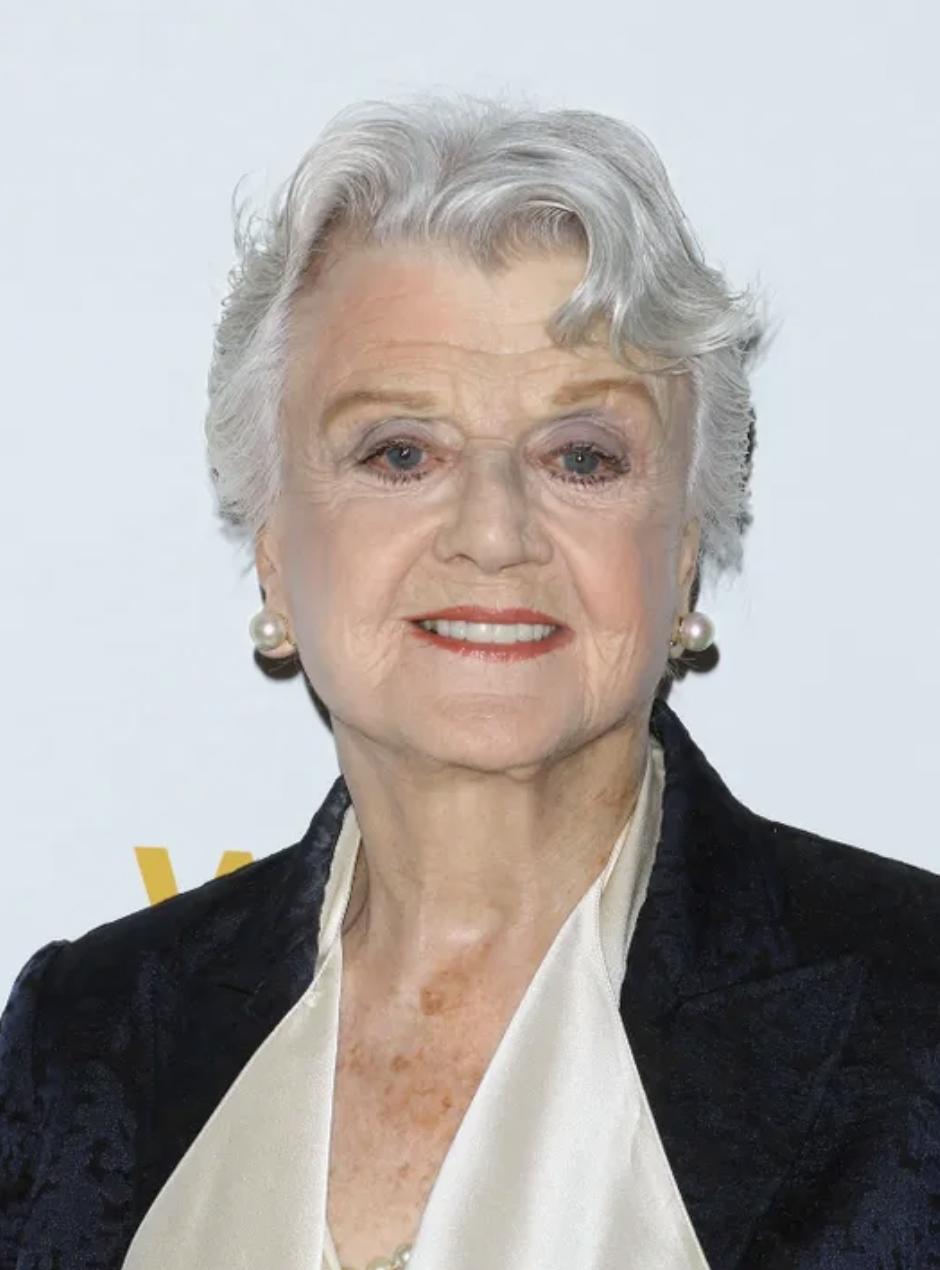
228, 926
192, 926
841, 899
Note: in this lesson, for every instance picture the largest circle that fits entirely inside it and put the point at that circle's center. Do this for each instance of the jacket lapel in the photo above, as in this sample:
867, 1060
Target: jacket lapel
225, 992
734, 1041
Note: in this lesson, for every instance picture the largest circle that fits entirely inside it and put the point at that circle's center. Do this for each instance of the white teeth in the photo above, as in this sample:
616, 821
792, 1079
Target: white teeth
488, 632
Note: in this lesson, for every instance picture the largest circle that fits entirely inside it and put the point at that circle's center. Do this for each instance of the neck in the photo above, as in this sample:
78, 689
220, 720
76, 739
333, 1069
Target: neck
461, 868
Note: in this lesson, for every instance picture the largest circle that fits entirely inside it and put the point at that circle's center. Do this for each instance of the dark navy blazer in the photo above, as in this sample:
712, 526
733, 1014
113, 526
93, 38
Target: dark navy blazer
782, 998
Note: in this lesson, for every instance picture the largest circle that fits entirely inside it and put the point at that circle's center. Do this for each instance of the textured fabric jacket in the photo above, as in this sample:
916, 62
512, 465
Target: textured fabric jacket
782, 998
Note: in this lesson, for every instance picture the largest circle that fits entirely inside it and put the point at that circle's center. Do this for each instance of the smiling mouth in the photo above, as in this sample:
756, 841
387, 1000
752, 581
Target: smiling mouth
501, 633
492, 641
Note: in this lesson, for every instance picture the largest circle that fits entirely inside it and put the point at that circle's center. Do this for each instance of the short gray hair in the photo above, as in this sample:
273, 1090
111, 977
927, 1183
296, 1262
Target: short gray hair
491, 179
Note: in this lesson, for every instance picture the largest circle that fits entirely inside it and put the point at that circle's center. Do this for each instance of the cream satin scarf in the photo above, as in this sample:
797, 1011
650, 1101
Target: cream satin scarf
557, 1162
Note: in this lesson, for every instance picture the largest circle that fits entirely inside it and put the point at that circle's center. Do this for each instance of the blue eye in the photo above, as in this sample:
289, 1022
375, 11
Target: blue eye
402, 456
588, 461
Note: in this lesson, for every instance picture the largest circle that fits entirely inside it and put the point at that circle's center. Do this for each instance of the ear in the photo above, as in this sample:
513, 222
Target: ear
267, 564
688, 563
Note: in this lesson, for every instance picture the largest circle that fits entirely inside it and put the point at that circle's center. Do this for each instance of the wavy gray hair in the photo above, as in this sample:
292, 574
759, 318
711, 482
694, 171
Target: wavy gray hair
491, 179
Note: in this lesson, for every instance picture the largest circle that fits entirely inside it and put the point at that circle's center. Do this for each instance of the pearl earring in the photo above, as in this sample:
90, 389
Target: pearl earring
694, 633
267, 630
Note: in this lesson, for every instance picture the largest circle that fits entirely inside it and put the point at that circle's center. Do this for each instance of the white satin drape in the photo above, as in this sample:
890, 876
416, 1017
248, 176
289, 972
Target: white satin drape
556, 1163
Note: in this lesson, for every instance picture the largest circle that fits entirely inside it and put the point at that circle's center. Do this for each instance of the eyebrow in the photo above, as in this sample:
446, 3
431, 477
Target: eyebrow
377, 397
568, 395
580, 390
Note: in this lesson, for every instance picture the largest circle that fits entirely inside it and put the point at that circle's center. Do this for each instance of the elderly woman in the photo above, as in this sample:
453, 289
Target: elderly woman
534, 990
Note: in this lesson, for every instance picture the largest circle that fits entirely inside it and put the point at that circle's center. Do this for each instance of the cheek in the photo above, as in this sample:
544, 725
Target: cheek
343, 565
626, 577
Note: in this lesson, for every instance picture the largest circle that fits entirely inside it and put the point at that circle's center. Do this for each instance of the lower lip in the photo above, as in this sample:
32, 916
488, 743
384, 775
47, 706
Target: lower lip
523, 651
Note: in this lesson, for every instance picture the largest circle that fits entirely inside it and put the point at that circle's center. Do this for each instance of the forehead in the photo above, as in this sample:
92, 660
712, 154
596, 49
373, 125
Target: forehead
415, 317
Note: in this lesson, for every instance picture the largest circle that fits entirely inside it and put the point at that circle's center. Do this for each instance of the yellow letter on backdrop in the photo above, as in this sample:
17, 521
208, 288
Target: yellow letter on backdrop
157, 871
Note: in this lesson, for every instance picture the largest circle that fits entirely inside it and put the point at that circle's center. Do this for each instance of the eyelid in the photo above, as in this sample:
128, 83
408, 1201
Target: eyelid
608, 420
390, 427
390, 423
592, 430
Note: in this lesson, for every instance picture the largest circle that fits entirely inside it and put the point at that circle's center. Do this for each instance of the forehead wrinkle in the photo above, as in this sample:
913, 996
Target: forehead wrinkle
437, 372
373, 322
408, 362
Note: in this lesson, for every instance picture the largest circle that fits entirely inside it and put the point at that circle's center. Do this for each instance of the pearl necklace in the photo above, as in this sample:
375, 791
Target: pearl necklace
399, 1260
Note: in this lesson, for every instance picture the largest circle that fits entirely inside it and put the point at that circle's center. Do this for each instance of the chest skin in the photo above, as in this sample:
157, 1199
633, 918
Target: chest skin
409, 1063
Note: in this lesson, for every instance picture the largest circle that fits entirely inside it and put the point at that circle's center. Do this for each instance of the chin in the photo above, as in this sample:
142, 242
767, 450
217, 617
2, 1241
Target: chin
486, 745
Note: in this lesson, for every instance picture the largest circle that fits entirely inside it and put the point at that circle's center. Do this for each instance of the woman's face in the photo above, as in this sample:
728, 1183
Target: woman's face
441, 452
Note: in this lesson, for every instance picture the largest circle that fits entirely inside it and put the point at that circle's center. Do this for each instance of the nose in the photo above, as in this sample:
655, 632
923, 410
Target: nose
491, 519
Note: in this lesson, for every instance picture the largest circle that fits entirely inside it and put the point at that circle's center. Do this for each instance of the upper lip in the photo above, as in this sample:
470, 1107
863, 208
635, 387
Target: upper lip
473, 613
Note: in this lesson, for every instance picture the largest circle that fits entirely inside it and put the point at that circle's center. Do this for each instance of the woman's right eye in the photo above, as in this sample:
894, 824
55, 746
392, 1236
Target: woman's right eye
403, 458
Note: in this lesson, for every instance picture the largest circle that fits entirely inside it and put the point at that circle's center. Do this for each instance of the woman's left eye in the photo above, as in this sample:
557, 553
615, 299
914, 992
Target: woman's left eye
588, 464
